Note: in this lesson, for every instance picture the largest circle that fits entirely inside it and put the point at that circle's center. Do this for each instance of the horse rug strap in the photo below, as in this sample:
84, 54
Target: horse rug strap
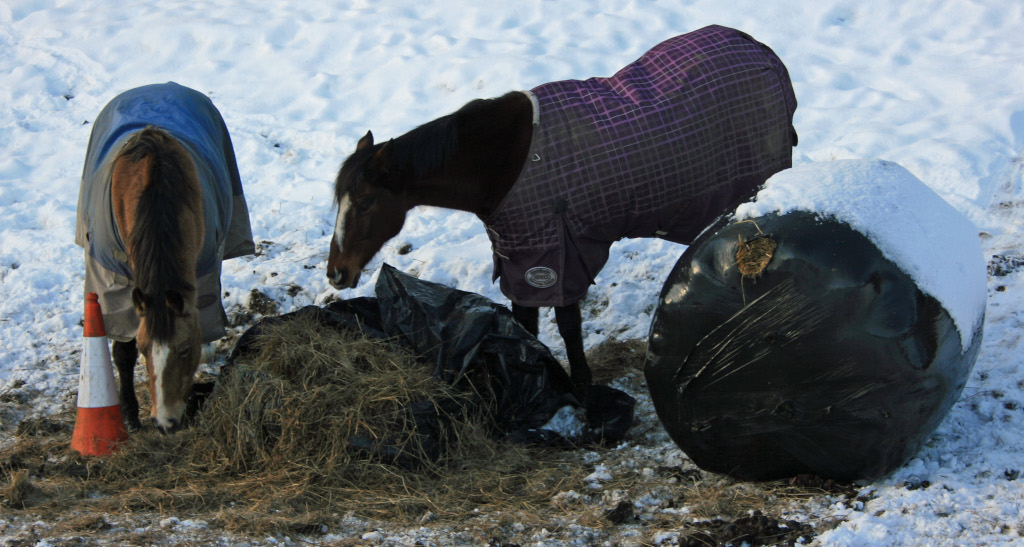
192, 119
660, 149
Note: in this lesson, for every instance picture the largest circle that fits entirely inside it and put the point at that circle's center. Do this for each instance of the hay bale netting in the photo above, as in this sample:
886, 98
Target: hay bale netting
826, 328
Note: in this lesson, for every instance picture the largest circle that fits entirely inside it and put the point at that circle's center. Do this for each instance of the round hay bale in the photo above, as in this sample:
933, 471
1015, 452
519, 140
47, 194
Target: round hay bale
809, 333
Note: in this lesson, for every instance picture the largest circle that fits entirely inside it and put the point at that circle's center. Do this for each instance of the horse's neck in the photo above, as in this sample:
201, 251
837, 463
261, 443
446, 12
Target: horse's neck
494, 138
128, 181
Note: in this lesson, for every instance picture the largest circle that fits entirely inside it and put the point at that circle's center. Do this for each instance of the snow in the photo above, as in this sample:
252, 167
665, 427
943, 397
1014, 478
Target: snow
934, 86
908, 222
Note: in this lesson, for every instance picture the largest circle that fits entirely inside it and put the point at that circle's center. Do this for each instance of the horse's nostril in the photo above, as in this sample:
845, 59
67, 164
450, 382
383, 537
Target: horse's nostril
338, 278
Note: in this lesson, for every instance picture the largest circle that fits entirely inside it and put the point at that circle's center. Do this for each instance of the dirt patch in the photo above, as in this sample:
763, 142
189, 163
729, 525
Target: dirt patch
260, 305
1005, 264
754, 530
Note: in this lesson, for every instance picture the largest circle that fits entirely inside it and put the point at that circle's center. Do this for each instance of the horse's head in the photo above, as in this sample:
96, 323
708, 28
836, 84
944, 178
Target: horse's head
370, 211
170, 340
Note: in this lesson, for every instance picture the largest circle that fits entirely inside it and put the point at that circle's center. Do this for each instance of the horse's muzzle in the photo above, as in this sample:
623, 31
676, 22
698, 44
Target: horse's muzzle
167, 430
340, 279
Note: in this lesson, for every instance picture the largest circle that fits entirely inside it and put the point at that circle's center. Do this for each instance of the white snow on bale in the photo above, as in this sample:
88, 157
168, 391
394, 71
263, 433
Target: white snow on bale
909, 223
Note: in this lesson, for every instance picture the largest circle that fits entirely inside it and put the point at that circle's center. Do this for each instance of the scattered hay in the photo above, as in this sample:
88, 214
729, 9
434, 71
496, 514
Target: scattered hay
614, 359
19, 491
283, 443
271, 453
753, 256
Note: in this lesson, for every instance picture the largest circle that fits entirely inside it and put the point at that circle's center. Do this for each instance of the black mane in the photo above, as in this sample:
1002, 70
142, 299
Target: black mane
156, 242
423, 150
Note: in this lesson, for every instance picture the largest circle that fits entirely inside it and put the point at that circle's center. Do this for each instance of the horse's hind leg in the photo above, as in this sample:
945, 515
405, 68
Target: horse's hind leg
570, 326
125, 355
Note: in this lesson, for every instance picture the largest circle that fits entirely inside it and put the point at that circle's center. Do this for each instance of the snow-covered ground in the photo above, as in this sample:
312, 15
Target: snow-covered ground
936, 86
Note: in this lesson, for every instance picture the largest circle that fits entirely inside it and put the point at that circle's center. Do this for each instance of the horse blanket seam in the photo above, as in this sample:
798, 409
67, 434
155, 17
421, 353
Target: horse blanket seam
660, 149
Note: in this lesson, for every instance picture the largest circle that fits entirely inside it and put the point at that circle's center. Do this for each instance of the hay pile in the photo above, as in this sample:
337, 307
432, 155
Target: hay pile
307, 392
286, 432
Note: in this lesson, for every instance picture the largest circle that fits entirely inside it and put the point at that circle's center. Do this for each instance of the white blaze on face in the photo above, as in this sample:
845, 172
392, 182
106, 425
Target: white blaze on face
160, 355
339, 225
162, 412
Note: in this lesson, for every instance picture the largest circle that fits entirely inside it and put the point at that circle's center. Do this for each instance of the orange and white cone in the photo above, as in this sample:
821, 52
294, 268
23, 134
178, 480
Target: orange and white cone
99, 425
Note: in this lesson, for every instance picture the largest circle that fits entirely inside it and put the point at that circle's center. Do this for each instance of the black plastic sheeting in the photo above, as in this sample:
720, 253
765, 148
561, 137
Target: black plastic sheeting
829, 362
476, 346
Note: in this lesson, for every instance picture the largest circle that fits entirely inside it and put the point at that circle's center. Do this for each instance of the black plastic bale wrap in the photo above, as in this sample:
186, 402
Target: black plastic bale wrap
826, 360
476, 346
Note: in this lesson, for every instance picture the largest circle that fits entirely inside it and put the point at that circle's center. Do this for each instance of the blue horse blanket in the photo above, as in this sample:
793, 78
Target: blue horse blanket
191, 118
660, 149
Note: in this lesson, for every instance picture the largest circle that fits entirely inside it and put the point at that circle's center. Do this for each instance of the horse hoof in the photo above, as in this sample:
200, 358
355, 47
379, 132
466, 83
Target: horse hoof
132, 424
580, 385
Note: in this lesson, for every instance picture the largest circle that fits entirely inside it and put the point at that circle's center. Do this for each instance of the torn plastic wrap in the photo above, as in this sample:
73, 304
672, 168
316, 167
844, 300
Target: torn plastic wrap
474, 345
787, 344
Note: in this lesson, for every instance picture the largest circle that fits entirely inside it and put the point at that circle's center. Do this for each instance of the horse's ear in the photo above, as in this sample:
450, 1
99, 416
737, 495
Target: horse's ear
380, 163
176, 303
365, 142
380, 159
140, 301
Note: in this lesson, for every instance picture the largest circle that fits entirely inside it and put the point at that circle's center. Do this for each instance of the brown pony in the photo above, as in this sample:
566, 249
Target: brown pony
157, 203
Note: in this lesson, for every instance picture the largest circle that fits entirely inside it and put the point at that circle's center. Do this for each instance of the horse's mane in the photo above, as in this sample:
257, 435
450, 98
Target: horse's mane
425, 149
157, 240
428, 147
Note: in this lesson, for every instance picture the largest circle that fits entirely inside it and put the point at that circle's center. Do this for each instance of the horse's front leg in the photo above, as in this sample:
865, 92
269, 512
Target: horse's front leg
570, 326
527, 317
125, 355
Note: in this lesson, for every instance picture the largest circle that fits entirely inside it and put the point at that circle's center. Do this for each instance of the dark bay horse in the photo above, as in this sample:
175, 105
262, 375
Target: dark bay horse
559, 173
160, 207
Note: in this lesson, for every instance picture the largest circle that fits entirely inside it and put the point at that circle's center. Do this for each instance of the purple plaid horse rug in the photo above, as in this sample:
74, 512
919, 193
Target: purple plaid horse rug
660, 149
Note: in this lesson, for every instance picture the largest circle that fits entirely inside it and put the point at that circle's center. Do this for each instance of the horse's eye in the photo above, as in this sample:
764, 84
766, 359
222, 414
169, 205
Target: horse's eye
183, 353
363, 204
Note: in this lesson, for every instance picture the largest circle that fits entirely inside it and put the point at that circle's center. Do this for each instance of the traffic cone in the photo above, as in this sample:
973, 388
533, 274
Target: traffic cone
99, 425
